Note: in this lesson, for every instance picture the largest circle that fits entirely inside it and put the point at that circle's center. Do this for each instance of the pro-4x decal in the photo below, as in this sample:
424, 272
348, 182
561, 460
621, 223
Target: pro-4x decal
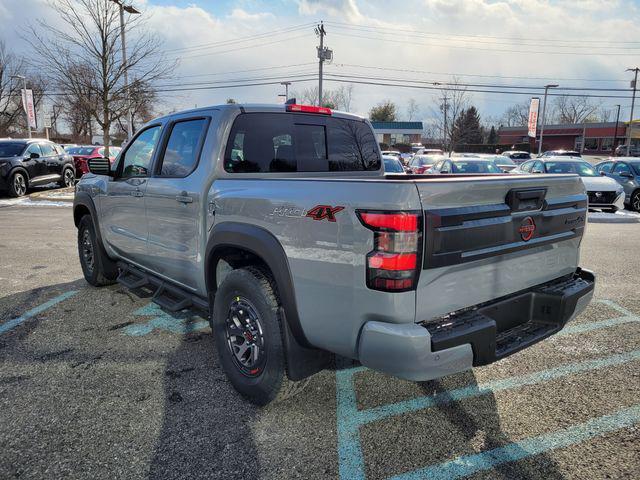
321, 212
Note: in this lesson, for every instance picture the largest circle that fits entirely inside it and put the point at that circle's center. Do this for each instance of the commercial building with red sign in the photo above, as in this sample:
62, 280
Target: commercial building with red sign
589, 138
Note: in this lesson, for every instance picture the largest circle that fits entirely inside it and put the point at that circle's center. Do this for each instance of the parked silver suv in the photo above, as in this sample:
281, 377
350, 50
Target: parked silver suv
280, 222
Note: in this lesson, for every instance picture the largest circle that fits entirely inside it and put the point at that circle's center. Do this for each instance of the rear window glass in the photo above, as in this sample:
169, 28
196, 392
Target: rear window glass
475, 167
80, 150
279, 142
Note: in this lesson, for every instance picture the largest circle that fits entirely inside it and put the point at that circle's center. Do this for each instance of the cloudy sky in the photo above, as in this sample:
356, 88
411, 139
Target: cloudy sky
526, 43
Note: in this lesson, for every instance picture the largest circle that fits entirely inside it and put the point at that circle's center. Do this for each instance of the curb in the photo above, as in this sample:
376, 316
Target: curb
57, 195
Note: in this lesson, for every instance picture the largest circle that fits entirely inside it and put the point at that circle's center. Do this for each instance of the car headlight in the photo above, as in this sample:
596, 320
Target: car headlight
619, 189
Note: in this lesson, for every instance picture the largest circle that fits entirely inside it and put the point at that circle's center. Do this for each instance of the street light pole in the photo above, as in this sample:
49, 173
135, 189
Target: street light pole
125, 67
24, 101
544, 111
633, 101
286, 90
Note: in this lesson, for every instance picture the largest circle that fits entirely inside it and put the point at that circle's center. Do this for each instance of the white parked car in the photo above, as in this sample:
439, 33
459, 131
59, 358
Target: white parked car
604, 193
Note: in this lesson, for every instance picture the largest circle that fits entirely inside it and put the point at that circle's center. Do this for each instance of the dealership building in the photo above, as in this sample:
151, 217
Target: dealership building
393, 133
589, 138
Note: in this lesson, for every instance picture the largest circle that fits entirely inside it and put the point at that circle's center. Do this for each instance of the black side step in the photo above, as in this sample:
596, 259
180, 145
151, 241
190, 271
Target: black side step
169, 297
132, 278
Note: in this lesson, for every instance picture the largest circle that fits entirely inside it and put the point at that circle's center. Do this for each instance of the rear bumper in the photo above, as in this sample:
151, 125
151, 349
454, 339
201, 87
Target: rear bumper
475, 336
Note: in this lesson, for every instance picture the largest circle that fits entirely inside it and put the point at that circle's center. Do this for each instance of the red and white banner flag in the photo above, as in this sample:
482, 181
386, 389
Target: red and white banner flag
27, 104
533, 116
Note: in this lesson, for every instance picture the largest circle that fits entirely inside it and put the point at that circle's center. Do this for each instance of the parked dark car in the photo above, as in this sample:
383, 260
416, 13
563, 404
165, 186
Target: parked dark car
627, 173
29, 163
82, 154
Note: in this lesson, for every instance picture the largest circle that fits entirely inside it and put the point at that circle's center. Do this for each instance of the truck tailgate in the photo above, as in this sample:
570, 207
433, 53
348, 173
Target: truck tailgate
505, 234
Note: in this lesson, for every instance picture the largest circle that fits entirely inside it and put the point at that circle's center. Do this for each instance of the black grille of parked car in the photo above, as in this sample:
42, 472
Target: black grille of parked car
601, 197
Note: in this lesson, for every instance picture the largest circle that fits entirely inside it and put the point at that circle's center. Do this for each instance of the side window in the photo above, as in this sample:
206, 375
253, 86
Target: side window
621, 168
526, 166
446, 167
58, 149
538, 167
33, 148
183, 147
606, 167
137, 158
47, 150
101, 151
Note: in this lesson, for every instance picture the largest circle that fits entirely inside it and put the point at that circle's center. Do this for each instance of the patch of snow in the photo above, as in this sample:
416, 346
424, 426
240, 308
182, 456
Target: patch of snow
27, 202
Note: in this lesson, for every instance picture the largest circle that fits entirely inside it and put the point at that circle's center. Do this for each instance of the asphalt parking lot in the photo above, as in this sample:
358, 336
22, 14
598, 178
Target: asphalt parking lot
98, 383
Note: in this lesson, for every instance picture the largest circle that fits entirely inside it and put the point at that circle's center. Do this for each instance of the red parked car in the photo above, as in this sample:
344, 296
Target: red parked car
82, 154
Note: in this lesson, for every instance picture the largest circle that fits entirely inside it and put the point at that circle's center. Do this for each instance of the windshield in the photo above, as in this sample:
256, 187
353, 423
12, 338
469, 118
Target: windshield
475, 167
11, 149
392, 165
581, 168
80, 150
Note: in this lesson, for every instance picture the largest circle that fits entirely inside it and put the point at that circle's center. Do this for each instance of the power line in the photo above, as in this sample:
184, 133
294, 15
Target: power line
372, 67
241, 39
403, 28
495, 50
261, 44
473, 90
485, 85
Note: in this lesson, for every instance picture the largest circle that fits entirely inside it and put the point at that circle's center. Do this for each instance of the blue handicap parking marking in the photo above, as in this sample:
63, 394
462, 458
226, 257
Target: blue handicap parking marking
350, 418
13, 323
180, 322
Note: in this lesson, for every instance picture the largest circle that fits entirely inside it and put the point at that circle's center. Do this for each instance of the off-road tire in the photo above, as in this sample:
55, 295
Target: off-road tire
98, 269
271, 383
18, 188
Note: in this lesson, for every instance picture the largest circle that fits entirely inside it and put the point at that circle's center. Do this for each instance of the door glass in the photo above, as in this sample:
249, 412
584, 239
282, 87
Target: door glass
33, 148
47, 150
181, 155
137, 158
606, 167
621, 168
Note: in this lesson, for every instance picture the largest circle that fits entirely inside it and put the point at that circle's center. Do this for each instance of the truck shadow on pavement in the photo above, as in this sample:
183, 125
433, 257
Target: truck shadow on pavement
482, 431
207, 427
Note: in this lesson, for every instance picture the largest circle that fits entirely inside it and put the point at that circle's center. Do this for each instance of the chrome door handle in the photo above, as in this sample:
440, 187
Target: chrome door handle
137, 193
184, 198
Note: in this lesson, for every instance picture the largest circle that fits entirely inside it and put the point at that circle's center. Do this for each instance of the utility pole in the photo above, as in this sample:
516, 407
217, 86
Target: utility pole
323, 54
445, 107
633, 102
544, 111
129, 9
26, 113
615, 133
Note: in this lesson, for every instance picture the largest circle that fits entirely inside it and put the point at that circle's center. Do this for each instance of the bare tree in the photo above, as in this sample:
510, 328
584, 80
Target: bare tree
339, 99
83, 57
516, 115
412, 109
12, 117
575, 109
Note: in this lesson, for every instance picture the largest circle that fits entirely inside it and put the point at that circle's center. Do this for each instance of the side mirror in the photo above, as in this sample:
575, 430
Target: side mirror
100, 166
536, 171
626, 175
603, 173
34, 155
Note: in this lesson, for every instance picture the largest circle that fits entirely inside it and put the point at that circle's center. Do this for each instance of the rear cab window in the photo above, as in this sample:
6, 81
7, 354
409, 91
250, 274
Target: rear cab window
285, 142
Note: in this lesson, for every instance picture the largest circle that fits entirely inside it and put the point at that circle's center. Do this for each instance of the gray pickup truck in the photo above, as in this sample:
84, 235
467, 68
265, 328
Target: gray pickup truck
279, 222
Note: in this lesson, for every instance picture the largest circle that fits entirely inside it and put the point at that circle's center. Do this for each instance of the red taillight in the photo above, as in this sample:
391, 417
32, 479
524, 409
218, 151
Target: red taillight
399, 222
308, 109
394, 263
